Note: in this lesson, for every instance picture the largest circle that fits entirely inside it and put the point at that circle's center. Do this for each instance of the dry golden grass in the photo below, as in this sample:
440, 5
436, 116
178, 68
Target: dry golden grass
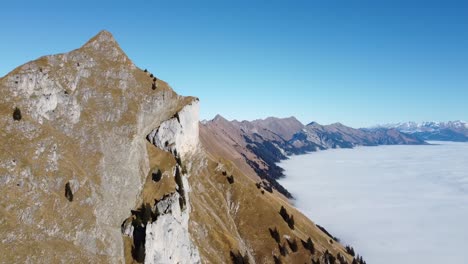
237, 216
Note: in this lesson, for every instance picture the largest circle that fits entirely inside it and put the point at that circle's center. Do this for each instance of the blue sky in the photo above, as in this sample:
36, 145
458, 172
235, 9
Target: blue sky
356, 62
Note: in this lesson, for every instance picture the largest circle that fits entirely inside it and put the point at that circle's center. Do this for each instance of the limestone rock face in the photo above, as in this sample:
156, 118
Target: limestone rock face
168, 239
180, 133
85, 118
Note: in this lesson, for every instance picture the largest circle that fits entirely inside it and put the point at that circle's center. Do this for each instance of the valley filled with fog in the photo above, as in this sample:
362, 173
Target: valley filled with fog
393, 204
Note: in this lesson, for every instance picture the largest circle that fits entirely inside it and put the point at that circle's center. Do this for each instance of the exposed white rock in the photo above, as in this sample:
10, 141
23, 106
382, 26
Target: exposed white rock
180, 132
85, 119
168, 238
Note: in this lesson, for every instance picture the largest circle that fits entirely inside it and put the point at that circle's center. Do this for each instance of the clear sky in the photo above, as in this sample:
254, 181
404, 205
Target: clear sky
356, 62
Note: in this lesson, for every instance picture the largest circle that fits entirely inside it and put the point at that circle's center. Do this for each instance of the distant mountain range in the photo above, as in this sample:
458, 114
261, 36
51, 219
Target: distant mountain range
263, 143
443, 131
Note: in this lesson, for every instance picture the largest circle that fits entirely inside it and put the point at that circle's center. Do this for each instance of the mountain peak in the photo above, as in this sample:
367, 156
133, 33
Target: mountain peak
104, 45
219, 118
337, 124
103, 36
313, 123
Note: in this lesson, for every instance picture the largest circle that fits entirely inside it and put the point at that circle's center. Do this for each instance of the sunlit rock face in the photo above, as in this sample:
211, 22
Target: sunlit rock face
180, 133
168, 239
85, 116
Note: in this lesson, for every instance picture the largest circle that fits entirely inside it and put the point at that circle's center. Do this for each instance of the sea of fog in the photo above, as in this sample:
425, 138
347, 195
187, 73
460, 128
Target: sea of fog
393, 204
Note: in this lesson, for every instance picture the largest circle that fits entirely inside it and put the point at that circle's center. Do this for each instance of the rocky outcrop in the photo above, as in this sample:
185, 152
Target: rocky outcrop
180, 133
168, 238
85, 118
101, 165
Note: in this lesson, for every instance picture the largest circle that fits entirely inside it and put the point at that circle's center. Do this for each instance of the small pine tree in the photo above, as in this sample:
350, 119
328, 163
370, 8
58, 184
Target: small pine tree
230, 179
292, 245
282, 249
146, 213
291, 222
284, 213
340, 258
329, 258
277, 260
350, 250
275, 234
309, 245
68, 192
156, 175
17, 114
237, 258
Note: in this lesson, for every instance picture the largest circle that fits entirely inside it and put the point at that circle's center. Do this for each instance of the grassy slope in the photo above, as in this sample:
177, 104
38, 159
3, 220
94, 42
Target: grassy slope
237, 217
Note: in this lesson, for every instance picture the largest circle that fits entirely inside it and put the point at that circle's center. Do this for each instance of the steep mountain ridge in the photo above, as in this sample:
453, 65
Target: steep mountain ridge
102, 162
338, 135
263, 143
284, 127
248, 142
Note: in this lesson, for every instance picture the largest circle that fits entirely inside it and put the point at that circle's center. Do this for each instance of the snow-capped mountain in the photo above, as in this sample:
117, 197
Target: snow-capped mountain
447, 131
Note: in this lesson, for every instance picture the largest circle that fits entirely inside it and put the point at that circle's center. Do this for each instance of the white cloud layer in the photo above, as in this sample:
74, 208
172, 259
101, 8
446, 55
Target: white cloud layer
394, 204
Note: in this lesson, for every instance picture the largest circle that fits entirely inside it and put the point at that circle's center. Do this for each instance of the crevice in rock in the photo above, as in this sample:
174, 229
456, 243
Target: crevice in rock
180, 188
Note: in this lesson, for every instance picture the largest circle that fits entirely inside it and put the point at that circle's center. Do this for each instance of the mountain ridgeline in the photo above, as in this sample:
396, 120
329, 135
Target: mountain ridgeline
102, 162
263, 143
438, 131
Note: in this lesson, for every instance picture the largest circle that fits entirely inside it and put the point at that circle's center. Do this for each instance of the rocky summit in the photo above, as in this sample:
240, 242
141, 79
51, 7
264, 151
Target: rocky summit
102, 162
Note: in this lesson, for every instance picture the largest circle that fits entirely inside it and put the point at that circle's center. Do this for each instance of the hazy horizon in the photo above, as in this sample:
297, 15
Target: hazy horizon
308, 122
393, 204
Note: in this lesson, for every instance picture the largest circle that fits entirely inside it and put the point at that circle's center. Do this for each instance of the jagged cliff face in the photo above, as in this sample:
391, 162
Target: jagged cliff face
85, 118
102, 163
